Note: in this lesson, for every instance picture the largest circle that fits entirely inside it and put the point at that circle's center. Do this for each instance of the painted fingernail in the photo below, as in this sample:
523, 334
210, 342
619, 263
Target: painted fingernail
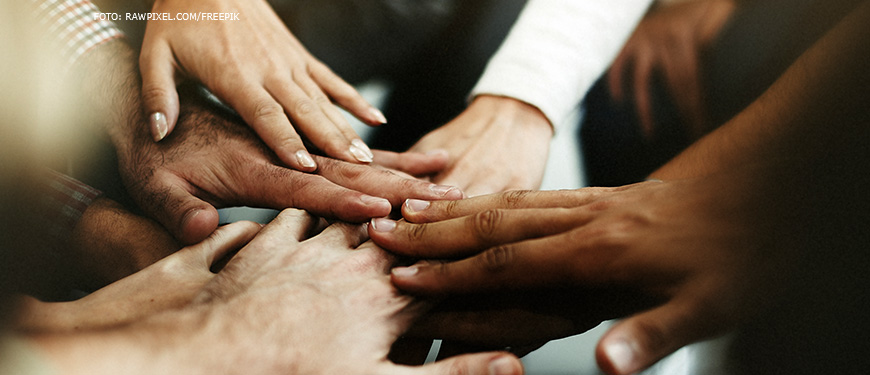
502, 366
442, 189
378, 115
369, 200
304, 159
360, 151
160, 126
620, 354
405, 271
416, 205
383, 225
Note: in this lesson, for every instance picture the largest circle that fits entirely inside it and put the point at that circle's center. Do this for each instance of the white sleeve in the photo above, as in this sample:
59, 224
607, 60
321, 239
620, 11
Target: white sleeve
556, 51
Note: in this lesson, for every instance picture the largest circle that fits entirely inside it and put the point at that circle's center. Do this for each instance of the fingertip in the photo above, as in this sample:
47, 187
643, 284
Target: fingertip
378, 207
413, 208
305, 161
159, 126
616, 355
376, 117
197, 224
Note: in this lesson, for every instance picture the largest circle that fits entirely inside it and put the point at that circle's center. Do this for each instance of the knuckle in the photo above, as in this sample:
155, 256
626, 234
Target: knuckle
417, 232
304, 107
457, 367
485, 224
267, 110
497, 259
514, 198
152, 93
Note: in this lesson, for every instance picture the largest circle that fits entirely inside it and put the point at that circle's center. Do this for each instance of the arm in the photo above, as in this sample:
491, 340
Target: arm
708, 253
551, 57
283, 304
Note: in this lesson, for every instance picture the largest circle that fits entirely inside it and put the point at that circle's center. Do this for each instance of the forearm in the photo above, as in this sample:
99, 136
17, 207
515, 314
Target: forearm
815, 109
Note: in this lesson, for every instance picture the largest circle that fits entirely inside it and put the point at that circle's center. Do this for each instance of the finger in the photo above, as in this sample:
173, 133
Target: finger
615, 76
159, 96
642, 340
341, 236
383, 183
470, 234
526, 264
642, 72
331, 112
224, 240
309, 118
420, 211
492, 363
169, 200
290, 227
345, 95
266, 116
413, 163
281, 188
681, 72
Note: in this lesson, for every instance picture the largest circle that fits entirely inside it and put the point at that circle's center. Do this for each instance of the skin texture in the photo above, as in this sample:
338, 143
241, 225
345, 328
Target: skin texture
287, 304
260, 69
170, 283
212, 159
496, 144
758, 205
671, 40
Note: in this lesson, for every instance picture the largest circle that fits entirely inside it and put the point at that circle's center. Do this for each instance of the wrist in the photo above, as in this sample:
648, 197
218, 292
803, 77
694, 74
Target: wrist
525, 115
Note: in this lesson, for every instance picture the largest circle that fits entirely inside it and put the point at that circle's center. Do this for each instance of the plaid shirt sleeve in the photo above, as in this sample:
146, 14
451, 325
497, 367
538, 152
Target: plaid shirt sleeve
63, 204
74, 26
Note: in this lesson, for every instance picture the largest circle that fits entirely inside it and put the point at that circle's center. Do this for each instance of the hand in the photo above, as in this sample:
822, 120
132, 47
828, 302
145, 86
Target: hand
170, 283
706, 254
260, 69
325, 301
496, 144
110, 243
211, 160
671, 40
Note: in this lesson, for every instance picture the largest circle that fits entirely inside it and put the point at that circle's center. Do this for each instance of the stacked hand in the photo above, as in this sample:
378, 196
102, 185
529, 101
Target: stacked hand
691, 258
260, 69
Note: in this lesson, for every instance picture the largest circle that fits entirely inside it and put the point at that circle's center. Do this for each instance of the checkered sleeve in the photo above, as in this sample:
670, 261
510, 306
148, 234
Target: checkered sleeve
63, 204
74, 27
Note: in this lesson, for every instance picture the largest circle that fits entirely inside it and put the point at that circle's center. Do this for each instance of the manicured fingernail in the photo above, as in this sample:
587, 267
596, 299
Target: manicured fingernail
416, 205
369, 200
362, 146
442, 189
620, 354
501, 366
361, 154
160, 126
405, 271
383, 225
378, 115
304, 158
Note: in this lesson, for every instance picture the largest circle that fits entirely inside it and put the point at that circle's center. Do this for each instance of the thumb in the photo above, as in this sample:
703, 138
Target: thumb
159, 96
482, 363
224, 240
187, 217
642, 340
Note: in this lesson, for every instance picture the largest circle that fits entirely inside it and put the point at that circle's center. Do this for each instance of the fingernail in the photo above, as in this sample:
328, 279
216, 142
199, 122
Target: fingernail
383, 225
158, 123
363, 153
378, 115
362, 146
620, 354
405, 271
441, 189
501, 365
304, 158
369, 200
416, 205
